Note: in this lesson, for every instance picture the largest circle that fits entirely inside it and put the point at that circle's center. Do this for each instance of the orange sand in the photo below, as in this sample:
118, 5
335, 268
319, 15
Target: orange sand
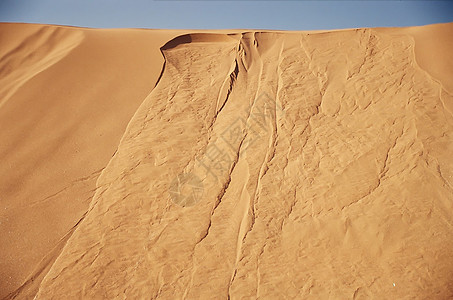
333, 172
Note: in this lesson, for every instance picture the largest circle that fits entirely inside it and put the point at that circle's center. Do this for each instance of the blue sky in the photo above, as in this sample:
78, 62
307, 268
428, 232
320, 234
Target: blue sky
283, 15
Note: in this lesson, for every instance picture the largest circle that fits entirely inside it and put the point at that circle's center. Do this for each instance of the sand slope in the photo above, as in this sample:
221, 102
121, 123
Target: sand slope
66, 96
262, 165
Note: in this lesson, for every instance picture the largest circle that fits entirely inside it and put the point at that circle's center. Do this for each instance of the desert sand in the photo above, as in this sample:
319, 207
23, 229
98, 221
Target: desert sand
183, 164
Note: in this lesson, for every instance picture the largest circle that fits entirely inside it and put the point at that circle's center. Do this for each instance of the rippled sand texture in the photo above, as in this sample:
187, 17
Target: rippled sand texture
277, 165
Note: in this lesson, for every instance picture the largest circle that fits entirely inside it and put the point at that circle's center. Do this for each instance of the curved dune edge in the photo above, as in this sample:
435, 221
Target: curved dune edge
431, 43
129, 167
41, 49
441, 72
432, 48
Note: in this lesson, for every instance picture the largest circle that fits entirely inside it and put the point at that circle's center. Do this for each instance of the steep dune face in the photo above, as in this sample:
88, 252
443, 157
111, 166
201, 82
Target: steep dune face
36, 52
434, 46
273, 165
66, 96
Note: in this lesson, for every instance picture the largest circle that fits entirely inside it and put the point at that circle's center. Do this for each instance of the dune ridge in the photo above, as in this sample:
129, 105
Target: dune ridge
324, 164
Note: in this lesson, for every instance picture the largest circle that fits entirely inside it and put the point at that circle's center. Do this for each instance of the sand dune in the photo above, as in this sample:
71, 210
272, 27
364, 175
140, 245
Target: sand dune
67, 95
262, 164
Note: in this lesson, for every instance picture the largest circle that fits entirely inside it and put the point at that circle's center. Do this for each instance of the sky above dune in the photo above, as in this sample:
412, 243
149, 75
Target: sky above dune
283, 15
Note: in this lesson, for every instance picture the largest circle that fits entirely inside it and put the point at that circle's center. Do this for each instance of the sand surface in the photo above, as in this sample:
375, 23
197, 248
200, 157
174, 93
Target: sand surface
262, 165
